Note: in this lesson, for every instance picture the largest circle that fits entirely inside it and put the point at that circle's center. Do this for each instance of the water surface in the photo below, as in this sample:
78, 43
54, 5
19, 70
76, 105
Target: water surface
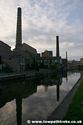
36, 99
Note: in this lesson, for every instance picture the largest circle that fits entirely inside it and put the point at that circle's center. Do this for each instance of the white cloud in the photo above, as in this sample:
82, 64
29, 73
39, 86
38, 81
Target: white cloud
42, 21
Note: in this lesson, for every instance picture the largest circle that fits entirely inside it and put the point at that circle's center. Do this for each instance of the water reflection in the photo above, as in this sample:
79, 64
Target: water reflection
19, 110
52, 80
19, 90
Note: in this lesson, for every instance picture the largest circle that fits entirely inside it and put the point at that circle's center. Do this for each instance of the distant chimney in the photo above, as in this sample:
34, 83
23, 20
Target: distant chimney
66, 59
66, 55
19, 29
57, 46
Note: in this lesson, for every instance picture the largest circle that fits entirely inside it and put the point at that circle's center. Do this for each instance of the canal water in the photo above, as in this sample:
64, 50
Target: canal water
36, 99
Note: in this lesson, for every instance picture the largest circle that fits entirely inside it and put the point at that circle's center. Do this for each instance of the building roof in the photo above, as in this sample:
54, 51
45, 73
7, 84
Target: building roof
47, 51
4, 44
27, 47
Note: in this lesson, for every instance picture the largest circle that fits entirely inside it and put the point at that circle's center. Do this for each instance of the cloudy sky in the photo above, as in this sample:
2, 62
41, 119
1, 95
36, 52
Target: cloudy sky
42, 20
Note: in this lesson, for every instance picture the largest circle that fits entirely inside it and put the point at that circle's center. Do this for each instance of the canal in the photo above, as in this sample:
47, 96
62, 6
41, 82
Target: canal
33, 99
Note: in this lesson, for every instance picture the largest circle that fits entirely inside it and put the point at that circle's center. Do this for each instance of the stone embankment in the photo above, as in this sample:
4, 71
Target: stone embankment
27, 75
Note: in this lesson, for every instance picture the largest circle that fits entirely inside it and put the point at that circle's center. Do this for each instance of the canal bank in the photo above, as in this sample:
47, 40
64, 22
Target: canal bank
60, 112
26, 75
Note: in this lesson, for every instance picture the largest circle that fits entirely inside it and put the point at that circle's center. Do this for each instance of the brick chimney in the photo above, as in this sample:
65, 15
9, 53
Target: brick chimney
19, 29
57, 46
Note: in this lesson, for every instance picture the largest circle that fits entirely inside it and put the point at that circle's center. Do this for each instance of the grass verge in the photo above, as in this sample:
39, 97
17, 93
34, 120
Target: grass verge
75, 111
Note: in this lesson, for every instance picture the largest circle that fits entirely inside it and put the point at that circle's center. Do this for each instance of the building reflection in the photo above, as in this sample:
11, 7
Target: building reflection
18, 90
24, 89
51, 81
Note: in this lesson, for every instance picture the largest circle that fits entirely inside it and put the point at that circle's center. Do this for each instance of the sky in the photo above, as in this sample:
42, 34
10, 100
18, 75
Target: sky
42, 21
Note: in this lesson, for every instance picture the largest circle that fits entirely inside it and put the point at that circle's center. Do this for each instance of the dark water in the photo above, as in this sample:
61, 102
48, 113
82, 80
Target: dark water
22, 100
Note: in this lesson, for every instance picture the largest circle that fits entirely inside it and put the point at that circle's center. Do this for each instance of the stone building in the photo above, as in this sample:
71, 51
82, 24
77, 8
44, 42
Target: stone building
81, 61
81, 64
47, 53
5, 55
73, 65
49, 62
23, 58
5, 51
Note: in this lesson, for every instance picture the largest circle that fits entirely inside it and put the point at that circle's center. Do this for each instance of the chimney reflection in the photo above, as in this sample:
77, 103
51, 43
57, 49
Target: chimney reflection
19, 110
57, 90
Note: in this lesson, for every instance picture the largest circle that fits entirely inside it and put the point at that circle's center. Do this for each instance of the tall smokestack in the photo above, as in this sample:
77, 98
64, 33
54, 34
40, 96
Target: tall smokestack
19, 29
57, 46
66, 55
66, 59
